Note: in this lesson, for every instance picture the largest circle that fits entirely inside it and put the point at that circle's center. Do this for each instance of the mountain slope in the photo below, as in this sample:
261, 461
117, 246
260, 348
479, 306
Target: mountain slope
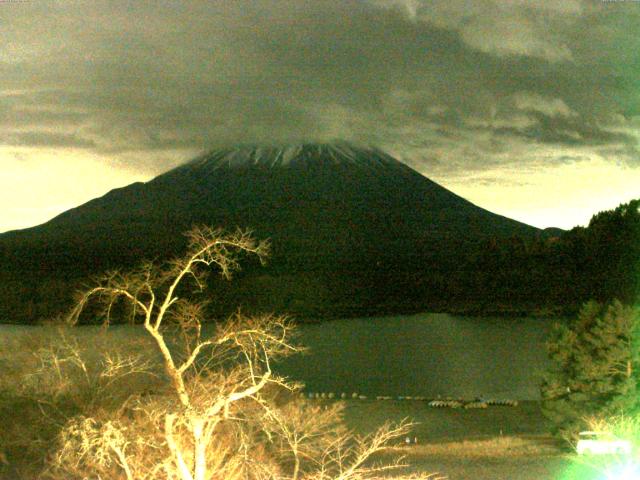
326, 208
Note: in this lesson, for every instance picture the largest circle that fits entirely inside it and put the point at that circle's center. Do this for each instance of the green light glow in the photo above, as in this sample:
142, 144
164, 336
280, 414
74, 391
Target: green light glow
605, 467
631, 471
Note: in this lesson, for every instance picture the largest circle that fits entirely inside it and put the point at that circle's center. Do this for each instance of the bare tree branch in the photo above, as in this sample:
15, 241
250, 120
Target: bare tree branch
221, 420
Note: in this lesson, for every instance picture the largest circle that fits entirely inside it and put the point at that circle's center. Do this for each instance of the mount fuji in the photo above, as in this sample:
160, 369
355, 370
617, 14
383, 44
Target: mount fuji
346, 216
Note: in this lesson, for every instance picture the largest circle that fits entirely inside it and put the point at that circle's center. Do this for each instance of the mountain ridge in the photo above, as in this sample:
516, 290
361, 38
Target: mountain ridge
307, 161
279, 155
329, 210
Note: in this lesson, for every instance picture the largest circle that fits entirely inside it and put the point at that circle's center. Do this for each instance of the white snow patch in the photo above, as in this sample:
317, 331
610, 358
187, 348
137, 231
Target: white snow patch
288, 155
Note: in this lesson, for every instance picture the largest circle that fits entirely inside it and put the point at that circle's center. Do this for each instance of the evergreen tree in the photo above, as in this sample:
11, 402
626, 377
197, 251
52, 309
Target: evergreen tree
595, 367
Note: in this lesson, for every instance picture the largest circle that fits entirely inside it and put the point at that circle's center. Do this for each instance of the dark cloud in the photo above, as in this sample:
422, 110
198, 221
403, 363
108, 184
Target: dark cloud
446, 85
45, 139
567, 131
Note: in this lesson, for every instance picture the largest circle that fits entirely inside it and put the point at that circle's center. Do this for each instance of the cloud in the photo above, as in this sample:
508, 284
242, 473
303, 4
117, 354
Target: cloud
45, 139
450, 86
515, 27
550, 107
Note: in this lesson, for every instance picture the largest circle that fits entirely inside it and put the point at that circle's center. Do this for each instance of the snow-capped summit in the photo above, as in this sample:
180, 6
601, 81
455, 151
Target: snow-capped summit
293, 155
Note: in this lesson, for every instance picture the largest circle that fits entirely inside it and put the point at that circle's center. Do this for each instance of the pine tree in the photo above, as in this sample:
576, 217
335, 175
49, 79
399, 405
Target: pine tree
595, 367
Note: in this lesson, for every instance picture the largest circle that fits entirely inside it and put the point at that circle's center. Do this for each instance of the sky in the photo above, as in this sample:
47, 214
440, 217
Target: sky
528, 108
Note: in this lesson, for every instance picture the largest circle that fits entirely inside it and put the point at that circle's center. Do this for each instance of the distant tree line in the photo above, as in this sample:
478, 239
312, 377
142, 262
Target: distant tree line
553, 274
550, 274
599, 262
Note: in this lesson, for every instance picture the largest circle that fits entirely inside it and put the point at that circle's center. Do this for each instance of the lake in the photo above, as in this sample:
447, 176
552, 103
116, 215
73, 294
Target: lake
419, 355
424, 354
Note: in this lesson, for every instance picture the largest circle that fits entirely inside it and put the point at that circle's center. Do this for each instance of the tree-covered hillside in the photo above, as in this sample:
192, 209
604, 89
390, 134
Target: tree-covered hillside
353, 232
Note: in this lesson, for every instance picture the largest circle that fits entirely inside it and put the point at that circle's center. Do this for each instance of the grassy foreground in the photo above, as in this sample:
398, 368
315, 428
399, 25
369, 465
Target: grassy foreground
468, 444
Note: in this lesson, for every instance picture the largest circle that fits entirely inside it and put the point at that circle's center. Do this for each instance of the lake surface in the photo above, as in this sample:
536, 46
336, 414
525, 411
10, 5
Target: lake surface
425, 354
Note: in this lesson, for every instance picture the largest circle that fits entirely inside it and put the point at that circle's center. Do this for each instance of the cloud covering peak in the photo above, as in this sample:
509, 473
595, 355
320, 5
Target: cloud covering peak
452, 87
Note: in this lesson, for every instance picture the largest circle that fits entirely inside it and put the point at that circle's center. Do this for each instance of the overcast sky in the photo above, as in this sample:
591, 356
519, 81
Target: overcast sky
529, 108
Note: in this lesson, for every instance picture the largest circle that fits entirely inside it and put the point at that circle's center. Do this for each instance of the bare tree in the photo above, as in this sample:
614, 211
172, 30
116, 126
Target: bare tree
226, 415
